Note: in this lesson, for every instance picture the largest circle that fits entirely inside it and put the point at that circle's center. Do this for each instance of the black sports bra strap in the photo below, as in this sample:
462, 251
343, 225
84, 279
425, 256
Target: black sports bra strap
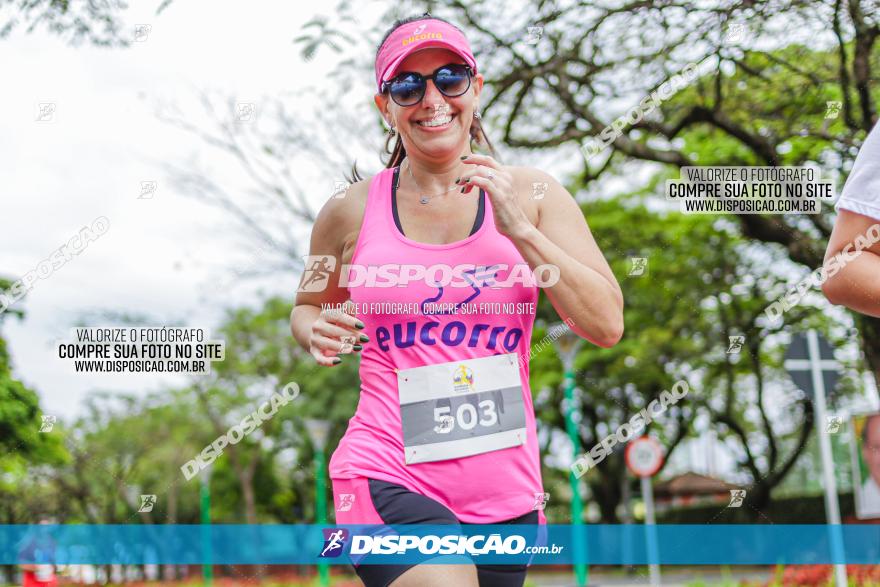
478, 221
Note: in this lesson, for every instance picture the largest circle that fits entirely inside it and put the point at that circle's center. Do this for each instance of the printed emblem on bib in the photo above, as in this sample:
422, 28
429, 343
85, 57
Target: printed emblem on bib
463, 379
482, 411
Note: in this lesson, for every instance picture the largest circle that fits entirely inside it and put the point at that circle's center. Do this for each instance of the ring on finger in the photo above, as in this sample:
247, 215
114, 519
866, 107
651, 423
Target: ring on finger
490, 176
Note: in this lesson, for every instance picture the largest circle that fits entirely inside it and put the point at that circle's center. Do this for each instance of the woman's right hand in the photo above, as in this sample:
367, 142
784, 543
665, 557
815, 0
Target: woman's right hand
335, 332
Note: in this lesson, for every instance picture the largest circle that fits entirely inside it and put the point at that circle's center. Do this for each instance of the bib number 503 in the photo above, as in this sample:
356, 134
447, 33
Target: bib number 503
465, 416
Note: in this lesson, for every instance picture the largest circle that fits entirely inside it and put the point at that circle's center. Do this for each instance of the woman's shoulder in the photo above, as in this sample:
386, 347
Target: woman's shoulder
343, 213
345, 205
528, 175
535, 189
538, 187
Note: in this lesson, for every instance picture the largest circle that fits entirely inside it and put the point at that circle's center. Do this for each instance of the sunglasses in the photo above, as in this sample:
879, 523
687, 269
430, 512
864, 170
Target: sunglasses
408, 88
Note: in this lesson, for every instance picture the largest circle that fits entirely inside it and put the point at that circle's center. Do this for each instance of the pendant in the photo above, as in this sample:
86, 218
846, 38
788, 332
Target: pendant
424, 199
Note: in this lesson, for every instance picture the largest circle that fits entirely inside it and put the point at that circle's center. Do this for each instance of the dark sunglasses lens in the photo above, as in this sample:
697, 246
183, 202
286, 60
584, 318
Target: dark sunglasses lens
408, 90
452, 80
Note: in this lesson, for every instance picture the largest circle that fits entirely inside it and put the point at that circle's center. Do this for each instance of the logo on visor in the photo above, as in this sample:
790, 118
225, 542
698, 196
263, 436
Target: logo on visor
420, 36
419, 29
463, 379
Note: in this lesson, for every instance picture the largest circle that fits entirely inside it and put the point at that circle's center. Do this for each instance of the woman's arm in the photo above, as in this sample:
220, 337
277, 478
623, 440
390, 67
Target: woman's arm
857, 284
587, 295
326, 334
587, 291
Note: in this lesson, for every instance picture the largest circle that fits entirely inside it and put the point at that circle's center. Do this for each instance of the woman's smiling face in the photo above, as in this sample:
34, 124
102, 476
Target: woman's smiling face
454, 114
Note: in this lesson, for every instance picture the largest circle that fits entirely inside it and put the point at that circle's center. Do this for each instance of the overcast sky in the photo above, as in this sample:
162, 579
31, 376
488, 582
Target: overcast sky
167, 256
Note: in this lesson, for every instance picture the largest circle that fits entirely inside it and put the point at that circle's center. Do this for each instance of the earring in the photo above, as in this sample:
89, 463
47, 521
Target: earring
477, 115
392, 131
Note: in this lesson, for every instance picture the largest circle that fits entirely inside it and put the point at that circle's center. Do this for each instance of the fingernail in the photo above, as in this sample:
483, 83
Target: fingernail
357, 347
359, 324
364, 338
457, 179
336, 360
464, 157
462, 190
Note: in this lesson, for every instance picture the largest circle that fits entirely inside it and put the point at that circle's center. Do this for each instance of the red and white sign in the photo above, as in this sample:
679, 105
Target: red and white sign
644, 456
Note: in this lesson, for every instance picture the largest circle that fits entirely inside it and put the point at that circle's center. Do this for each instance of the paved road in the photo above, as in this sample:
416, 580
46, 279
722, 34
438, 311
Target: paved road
671, 577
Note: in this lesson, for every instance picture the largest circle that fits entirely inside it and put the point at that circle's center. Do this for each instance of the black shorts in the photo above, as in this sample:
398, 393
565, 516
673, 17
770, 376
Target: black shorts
396, 504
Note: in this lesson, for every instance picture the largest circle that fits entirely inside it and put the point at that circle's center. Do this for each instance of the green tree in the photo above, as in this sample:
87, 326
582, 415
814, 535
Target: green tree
94, 21
22, 445
703, 284
261, 357
768, 73
762, 101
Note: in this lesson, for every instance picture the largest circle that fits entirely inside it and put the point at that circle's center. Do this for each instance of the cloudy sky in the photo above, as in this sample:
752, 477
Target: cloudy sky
167, 256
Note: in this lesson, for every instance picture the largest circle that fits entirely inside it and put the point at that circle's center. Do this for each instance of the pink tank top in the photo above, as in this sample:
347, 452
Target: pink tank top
483, 488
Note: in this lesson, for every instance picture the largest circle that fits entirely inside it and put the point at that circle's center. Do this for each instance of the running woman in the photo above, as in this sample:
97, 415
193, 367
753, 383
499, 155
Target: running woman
857, 285
444, 431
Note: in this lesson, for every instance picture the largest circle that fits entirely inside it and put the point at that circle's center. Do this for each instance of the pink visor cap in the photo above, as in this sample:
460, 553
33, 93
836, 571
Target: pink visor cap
415, 36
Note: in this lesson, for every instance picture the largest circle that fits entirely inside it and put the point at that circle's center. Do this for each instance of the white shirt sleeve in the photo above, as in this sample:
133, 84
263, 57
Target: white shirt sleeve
861, 193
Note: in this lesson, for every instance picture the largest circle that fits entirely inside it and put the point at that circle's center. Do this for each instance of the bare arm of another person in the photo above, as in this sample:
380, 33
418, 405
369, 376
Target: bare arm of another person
857, 284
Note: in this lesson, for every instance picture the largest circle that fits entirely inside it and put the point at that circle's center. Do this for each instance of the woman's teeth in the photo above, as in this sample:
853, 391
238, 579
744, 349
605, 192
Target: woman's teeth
437, 121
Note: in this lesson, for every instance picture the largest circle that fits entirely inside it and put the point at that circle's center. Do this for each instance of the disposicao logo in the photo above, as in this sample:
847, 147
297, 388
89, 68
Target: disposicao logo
334, 542
432, 544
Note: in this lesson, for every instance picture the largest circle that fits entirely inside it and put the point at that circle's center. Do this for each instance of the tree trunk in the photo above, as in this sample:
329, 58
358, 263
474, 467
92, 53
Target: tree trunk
626, 499
169, 572
607, 492
246, 477
247, 492
758, 498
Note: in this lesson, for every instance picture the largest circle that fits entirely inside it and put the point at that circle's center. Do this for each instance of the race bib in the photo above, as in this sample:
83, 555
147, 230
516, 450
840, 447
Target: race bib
461, 408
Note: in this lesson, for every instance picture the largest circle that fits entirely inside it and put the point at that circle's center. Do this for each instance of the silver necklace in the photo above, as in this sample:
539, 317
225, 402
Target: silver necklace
424, 198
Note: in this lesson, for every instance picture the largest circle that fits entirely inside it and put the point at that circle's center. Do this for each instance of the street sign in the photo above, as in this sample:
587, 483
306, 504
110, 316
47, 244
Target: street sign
799, 367
810, 362
644, 456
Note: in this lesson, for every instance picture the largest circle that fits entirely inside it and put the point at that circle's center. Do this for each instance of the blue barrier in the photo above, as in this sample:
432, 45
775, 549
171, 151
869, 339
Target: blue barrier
499, 544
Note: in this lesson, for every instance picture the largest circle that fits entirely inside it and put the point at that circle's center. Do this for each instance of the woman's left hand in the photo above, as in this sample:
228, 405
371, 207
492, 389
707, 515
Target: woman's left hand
486, 173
